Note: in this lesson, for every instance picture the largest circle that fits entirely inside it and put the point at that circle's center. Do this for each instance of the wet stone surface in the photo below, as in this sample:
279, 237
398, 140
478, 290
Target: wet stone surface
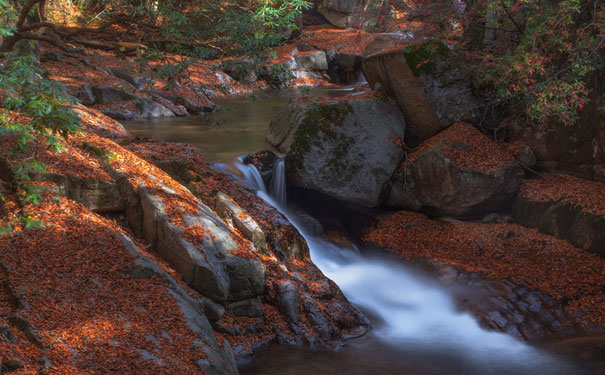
503, 306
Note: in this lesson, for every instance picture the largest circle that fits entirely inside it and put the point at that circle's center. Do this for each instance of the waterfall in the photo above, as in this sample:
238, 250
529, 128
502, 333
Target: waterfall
278, 182
251, 175
417, 314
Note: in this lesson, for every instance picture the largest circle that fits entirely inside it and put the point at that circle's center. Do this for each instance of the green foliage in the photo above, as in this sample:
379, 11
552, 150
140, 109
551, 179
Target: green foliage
560, 46
33, 114
421, 57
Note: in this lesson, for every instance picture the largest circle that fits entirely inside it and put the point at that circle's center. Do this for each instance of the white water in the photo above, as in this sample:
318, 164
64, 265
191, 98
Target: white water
278, 182
417, 314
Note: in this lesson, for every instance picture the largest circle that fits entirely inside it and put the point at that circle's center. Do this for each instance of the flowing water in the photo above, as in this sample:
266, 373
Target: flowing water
417, 327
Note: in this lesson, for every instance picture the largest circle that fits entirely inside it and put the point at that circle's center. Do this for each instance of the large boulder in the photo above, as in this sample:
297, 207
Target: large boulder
391, 72
361, 14
565, 207
345, 149
458, 172
429, 85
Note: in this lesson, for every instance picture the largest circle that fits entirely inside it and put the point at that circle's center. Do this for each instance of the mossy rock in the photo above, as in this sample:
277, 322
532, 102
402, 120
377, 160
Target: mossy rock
343, 148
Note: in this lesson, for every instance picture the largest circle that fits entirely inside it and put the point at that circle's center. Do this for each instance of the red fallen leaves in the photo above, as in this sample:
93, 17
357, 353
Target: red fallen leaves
92, 317
72, 161
503, 251
589, 195
468, 148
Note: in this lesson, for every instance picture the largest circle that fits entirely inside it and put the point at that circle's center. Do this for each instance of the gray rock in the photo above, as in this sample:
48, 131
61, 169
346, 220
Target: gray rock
247, 277
390, 71
137, 82
287, 297
362, 14
252, 307
153, 109
446, 187
314, 61
107, 95
332, 147
96, 195
235, 216
85, 95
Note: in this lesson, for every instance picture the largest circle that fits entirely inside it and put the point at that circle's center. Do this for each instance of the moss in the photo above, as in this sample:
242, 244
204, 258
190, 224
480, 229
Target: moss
319, 118
421, 57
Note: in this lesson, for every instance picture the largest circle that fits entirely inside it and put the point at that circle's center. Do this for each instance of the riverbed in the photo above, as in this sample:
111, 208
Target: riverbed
417, 327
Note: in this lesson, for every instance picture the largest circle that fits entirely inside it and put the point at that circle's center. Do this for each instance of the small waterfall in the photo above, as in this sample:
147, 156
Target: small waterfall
278, 182
417, 313
251, 175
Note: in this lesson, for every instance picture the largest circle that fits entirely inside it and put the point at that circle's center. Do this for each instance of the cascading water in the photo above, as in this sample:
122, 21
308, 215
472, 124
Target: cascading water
416, 315
278, 182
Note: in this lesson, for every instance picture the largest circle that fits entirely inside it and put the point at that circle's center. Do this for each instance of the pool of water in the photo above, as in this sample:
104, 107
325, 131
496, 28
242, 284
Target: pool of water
240, 127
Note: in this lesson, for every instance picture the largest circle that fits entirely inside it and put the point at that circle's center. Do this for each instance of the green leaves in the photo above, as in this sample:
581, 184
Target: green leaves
34, 113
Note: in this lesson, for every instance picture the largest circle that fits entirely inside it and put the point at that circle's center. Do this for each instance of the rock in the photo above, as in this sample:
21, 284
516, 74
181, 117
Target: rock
95, 194
246, 277
362, 14
197, 322
252, 308
304, 47
233, 215
50, 56
312, 61
458, 172
448, 89
343, 68
264, 162
495, 218
287, 297
599, 172
107, 95
569, 220
10, 365
153, 109
85, 95
137, 82
331, 147
390, 71
213, 311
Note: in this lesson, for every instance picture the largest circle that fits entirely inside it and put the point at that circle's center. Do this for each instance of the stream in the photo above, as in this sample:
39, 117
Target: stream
417, 328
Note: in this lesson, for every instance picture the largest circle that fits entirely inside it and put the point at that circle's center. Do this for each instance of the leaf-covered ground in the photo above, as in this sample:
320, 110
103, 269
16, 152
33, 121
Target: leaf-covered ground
503, 251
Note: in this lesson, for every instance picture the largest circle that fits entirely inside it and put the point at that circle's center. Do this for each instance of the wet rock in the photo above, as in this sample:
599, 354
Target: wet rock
448, 176
331, 147
153, 110
287, 296
264, 162
235, 216
252, 308
246, 277
343, 68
